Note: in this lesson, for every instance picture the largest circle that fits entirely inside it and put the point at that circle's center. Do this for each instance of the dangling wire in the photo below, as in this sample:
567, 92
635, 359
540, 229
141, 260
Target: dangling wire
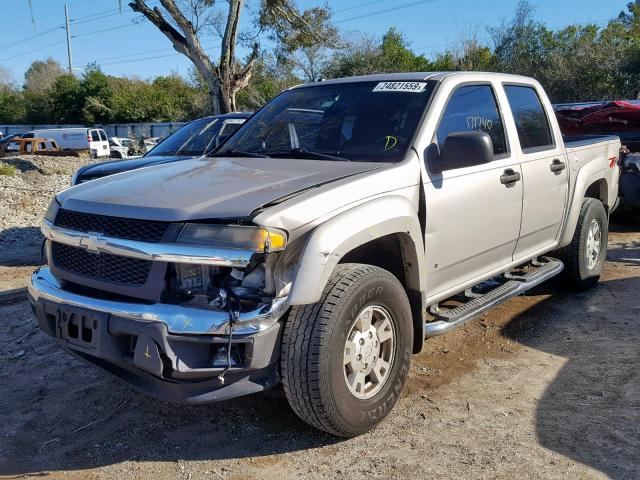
233, 308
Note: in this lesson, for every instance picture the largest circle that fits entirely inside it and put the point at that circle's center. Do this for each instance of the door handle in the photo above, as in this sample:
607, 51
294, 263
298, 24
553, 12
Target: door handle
557, 166
510, 177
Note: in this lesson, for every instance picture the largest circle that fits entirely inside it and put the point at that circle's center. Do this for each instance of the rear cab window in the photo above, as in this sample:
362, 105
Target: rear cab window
473, 108
532, 123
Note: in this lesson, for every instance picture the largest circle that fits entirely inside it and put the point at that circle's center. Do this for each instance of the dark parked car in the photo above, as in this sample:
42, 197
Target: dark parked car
8, 138
192, 140
620, 118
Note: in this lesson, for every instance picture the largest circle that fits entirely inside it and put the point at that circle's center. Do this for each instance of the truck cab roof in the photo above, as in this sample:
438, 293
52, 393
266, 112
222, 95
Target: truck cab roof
421, 76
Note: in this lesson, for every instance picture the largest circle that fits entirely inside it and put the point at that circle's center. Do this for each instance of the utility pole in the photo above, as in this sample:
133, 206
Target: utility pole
66, 19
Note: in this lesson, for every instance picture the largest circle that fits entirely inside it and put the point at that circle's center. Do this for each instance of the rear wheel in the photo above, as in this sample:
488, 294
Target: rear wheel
585, 256
346, 358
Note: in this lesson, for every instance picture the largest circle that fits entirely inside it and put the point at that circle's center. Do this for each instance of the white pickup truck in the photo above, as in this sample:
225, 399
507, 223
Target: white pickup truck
337, 229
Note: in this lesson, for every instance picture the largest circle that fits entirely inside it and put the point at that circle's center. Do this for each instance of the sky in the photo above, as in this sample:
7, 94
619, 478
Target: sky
125, 44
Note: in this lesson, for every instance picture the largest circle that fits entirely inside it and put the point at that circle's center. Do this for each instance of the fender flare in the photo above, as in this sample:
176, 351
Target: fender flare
331, 240
585, 178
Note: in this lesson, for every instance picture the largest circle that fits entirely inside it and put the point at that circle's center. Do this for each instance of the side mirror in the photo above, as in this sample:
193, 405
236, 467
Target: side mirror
465, 149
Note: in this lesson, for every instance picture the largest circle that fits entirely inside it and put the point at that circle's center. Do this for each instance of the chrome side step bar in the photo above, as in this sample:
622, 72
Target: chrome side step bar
516, 284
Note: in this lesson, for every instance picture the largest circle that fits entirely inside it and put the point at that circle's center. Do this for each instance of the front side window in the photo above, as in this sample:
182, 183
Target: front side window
473, 108
359, 121
531, 120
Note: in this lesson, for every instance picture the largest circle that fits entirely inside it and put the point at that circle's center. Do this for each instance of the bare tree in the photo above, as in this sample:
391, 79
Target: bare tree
279, 20
6, 81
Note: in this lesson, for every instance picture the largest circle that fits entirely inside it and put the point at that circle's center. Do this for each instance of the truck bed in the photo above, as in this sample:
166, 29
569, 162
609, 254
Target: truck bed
577, 141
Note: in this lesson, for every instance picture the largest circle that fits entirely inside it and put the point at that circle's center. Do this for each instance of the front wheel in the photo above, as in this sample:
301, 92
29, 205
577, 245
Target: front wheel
585, 256
346, 358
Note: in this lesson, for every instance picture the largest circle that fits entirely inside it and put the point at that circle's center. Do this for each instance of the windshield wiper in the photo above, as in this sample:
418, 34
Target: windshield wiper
238, 153
304, 153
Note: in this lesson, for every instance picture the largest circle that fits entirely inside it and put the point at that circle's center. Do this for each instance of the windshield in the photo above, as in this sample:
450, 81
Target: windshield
192, 139
360, 121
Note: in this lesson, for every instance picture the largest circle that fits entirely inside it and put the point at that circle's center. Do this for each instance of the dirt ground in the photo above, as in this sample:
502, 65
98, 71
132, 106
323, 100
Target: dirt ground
545, 386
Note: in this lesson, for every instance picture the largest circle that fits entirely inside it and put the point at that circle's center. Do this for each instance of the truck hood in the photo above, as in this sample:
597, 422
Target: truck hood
204, 188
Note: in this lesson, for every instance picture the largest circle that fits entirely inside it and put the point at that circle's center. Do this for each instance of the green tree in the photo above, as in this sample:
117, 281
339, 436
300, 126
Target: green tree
42, 74
363, 55
97, 94
67, 100
13, 107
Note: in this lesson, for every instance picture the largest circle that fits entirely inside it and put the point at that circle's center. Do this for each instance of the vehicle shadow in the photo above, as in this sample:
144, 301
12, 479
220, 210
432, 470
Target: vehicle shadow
73, 417
591, 411
21, 246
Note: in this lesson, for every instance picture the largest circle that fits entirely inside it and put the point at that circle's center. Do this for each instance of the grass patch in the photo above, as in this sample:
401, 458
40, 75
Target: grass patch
8, 170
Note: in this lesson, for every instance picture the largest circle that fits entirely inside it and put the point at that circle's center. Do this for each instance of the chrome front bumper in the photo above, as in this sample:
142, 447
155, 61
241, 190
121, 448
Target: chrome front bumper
43, 286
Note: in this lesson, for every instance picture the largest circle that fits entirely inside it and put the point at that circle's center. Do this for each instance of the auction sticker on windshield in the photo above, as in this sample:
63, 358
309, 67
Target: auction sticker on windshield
412, 87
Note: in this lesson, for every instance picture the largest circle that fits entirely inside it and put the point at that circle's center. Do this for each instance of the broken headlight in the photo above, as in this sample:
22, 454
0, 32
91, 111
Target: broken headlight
256, 239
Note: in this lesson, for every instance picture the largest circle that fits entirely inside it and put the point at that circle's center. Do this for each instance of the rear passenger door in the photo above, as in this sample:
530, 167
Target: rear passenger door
544, 171
473, 218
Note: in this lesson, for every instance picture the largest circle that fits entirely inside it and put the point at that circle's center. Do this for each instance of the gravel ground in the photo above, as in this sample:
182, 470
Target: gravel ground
545, 386
24, 198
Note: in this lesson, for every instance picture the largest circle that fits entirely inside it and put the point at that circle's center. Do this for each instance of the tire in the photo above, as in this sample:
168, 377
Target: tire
314, 345
581, 273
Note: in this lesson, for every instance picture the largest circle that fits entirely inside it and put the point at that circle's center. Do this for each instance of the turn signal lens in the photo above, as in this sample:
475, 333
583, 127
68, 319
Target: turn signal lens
52, 211
257, 239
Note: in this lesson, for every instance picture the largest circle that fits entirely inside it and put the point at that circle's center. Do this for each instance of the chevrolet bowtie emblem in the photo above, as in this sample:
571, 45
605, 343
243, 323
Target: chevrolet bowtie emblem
93, 242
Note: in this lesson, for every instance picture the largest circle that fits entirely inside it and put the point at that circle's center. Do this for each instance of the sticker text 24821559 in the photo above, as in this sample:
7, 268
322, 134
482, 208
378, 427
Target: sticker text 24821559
410, 87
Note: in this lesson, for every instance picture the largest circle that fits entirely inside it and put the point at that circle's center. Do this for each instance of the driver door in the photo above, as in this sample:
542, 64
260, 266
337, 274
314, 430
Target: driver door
473, 215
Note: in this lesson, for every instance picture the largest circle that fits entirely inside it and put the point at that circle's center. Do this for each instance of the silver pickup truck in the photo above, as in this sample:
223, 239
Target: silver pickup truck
342, 225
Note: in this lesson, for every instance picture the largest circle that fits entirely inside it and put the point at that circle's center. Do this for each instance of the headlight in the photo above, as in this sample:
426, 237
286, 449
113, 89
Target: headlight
52, 211
256, 239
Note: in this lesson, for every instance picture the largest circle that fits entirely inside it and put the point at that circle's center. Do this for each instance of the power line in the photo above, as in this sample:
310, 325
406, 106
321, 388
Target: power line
94, 19
386, 10
99, 60
358, 6
106, 30
111, 11
140, 59
32, 37
32, 51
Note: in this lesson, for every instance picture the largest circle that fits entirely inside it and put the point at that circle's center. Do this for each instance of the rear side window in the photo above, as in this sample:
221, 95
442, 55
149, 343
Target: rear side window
103, 136
531, 120
470, 108
95, 136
